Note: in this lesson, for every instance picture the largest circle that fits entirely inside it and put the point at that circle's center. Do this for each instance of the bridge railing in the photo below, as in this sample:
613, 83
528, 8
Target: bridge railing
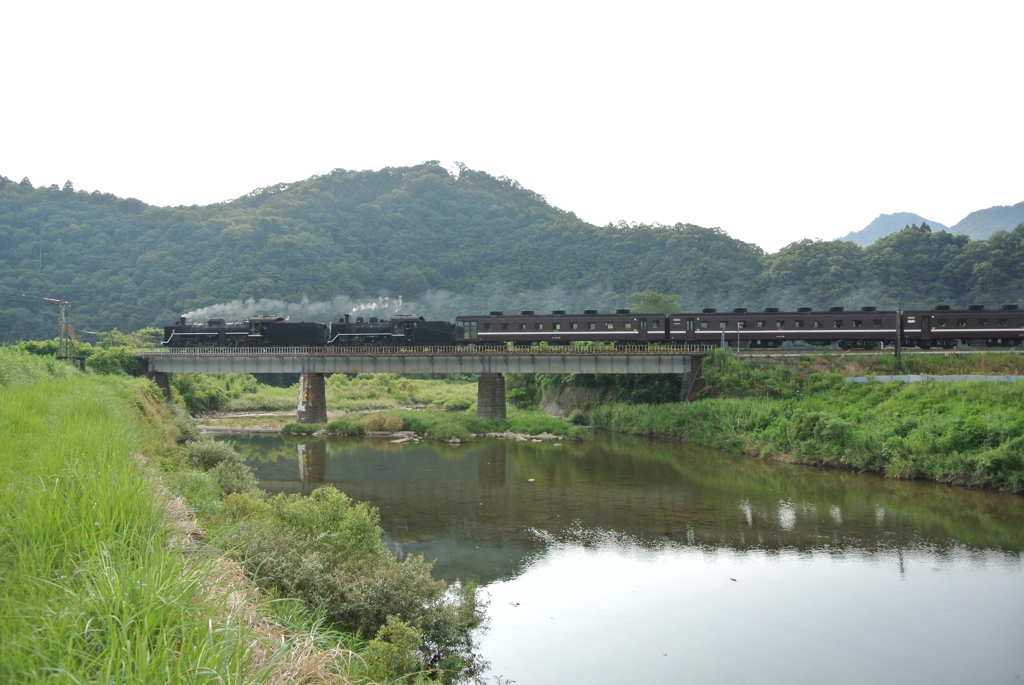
444, 349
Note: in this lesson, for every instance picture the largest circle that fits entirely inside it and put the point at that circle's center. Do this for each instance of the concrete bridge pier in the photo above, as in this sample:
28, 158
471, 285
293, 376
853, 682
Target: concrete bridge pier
162, 382
312, 399
694, 382
490, 396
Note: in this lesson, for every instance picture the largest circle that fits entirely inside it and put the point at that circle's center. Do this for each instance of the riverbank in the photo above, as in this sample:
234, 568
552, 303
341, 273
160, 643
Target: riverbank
103, 579
112, 578
968, 433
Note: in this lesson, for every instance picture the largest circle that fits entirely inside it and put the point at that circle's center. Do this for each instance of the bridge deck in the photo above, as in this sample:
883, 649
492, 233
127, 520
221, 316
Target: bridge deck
423, 360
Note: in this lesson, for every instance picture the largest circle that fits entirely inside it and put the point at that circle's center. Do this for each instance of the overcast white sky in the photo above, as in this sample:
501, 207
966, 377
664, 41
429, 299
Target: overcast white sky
775, 121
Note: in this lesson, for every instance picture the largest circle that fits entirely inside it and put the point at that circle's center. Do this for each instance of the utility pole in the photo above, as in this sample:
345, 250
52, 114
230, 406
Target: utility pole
62, 350
899, 331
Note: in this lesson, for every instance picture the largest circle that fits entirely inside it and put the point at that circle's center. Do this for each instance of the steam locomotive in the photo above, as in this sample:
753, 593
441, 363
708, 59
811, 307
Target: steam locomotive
865, 328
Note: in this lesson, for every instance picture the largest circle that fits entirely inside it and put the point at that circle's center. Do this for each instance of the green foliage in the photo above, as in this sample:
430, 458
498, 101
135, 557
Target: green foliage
653, 302
394, 652
206, 453
964, 432
199, 488
520, 398
201, 392
457, 404
226, 468
300, 428
344, 427
234, 476
328, 551
18, 366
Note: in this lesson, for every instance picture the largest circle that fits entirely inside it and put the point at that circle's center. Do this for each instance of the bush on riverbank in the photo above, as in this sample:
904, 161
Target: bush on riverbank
968, 433
328, 550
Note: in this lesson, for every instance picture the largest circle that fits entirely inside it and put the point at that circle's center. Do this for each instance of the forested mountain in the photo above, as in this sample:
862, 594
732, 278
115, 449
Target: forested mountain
884, 224
445, 243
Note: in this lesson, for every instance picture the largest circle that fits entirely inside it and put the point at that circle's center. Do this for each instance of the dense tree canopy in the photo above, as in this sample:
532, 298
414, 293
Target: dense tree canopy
449, 243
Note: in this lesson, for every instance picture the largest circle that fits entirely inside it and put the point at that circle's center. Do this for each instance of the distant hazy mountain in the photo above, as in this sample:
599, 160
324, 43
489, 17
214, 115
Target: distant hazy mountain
983, 223
891, 223
977, 225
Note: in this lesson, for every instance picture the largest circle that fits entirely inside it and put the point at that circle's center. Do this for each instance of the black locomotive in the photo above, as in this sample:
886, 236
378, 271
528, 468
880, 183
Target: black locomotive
866, 328
276, 331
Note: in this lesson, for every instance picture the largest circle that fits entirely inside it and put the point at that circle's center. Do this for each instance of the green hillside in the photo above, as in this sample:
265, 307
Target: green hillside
446, 244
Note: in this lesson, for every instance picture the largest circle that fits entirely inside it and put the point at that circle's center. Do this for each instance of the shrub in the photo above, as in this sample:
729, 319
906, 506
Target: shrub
382, 422
328, 551
457, 404
115, 360
448, 429
343, 427
206, 453
299, 428
234, 476
519, 398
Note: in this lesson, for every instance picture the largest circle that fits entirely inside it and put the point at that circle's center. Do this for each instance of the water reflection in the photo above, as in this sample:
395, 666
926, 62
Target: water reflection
693, 565
482, 509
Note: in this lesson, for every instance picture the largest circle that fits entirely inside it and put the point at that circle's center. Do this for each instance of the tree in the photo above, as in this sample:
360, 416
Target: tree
653, 302
69, 187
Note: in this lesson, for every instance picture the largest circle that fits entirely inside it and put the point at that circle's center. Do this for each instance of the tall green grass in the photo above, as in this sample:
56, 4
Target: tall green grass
967, 433
90, 590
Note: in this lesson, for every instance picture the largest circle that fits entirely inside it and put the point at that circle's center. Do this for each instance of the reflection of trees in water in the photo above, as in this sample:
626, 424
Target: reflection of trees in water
657, 492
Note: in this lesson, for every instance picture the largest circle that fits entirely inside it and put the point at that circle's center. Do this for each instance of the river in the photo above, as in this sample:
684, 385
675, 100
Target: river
630, 560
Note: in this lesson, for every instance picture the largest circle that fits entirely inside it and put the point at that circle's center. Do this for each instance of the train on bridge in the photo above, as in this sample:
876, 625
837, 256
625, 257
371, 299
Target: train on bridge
864, 328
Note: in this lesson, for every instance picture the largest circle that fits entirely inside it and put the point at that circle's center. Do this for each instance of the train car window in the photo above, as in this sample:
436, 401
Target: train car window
760, 324
837, 323
1003, 322
723, 324
982, 322
628, 326
779, 324
522, 326
817, 324
961, 323
703, 324
741, 324
941, 323
539, 327
857, 323
487, 326
799, 323
504, 326
556, 326
574, 326
610, 326
877, 323
592, 326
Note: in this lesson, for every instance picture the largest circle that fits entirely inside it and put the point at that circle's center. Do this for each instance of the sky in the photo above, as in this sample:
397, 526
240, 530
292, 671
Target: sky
775, 121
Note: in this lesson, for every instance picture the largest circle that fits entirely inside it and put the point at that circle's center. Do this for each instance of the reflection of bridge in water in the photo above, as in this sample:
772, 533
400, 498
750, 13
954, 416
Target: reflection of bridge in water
476, 510
313, 362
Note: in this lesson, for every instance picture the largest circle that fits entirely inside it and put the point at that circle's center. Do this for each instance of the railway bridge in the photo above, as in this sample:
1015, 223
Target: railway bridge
491, 363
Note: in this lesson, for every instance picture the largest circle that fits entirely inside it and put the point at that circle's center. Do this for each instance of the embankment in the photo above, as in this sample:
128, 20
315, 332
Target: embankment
965, 433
